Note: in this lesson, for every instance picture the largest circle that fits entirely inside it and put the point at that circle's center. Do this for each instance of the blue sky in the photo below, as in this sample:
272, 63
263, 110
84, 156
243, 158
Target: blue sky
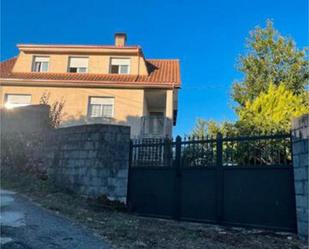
207, 37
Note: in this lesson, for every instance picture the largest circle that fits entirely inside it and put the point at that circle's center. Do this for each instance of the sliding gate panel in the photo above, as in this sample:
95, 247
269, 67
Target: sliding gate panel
259, 196
246, 181
198, 194
152, 191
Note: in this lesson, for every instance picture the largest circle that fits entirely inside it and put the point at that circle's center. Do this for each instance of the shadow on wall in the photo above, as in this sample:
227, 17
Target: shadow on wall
27, 119
24, 138
132, 121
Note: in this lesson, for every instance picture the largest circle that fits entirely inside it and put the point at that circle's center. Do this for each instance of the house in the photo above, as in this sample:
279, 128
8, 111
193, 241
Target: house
98, 83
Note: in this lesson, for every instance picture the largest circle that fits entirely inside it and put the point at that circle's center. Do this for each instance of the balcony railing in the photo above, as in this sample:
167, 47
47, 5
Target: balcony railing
156, 127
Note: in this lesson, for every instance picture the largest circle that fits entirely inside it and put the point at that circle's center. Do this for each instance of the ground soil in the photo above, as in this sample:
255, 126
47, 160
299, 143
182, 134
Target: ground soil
124, 230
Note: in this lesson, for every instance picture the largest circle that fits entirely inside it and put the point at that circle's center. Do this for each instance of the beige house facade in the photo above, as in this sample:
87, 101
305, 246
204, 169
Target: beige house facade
97, 84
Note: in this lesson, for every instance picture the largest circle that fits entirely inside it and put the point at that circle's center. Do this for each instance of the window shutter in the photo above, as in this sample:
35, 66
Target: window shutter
120, 61
102, 100
78, 62
19, 99
41, 59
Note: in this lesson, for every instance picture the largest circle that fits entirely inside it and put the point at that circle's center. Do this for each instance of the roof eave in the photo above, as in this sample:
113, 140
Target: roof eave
82, 83
73, 46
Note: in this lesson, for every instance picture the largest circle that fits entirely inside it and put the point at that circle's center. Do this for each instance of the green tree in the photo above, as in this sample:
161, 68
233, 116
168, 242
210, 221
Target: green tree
272, 111
271, 59
210, 128
273, 89
201, 128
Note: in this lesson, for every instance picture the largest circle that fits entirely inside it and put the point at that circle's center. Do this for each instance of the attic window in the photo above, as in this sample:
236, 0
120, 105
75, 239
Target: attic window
40, 64
120, 66
78, 65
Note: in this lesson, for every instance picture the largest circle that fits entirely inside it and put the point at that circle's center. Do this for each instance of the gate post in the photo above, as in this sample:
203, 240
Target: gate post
300, 143
177, 200
220, 182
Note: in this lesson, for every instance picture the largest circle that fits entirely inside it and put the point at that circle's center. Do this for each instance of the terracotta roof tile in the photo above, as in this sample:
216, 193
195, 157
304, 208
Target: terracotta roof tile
164, 72
6, 67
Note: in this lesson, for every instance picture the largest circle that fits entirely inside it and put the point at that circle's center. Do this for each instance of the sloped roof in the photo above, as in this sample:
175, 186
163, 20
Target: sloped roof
165, 73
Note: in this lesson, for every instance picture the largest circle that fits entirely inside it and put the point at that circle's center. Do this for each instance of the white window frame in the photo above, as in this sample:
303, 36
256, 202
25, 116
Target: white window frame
41, 59
14, 105
77, 68
119, 65
101, 97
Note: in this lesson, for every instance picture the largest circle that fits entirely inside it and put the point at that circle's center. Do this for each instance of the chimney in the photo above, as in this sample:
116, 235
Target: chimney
120, 39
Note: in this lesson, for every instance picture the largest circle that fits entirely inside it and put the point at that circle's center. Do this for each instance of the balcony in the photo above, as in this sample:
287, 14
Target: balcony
156, 127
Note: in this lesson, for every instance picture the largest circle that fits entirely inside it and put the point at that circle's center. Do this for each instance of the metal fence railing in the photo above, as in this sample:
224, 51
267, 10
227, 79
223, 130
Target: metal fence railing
245, 181
263, 150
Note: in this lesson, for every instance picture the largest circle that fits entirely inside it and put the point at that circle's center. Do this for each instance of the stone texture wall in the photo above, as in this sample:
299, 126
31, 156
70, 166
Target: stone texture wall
91, 160
300, 133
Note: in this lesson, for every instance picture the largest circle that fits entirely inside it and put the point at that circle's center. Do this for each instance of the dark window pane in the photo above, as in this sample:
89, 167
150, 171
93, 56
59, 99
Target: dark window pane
115, 69
37, 67
72, 69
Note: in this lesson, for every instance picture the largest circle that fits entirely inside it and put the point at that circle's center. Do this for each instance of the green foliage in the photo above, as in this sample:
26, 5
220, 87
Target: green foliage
271, 94
272, 91
272, 111
271, 59
210, 128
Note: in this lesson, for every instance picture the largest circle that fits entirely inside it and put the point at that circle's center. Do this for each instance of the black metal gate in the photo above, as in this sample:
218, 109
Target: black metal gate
245, 181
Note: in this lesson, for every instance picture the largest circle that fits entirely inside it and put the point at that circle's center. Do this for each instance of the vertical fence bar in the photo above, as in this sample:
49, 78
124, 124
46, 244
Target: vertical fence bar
129, 206
167, 152
177, 200
219, 168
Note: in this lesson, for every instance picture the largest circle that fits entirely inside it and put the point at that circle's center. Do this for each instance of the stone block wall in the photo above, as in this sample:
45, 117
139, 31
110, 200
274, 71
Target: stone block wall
300, 137
91, 160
